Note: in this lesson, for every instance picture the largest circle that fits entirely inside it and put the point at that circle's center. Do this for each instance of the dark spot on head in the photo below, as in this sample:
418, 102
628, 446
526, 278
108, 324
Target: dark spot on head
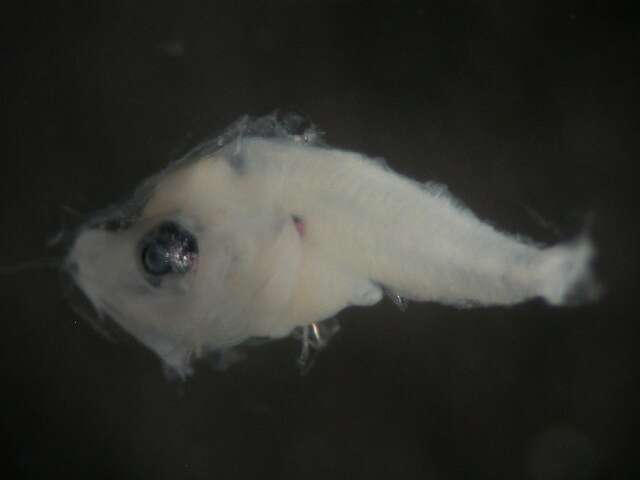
237, 162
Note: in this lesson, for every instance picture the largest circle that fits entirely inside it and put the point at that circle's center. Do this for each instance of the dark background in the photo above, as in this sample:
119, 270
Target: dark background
526, 111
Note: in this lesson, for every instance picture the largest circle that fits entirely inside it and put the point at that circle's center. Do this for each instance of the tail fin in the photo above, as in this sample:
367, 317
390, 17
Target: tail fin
565, 273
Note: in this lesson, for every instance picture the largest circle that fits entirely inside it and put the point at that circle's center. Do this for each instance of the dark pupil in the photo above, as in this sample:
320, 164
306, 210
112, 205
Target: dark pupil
168, 248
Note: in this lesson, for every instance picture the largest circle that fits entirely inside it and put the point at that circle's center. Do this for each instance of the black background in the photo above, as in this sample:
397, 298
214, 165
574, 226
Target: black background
526, 111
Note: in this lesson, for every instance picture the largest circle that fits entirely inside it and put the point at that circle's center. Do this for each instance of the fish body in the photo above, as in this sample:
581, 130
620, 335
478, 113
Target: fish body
265, 229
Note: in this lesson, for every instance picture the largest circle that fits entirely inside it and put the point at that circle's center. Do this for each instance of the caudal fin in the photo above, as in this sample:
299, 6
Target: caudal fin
565, 273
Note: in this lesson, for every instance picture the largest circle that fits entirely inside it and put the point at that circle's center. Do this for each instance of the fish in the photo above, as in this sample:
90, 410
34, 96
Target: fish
265, 230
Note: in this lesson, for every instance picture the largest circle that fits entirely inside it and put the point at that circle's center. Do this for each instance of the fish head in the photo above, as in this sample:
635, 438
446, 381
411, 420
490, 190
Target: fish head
193, 263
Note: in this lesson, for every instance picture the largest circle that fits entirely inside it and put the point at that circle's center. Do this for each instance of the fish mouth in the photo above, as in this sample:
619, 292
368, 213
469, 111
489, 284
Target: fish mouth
100, 317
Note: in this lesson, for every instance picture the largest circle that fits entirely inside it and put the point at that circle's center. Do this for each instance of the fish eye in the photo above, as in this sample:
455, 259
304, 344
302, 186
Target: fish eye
168, 248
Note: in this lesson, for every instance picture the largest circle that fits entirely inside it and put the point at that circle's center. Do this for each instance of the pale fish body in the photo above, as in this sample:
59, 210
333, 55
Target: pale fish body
262, 231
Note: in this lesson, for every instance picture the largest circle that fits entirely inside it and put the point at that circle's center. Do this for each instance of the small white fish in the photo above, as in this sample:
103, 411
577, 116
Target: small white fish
265, 229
